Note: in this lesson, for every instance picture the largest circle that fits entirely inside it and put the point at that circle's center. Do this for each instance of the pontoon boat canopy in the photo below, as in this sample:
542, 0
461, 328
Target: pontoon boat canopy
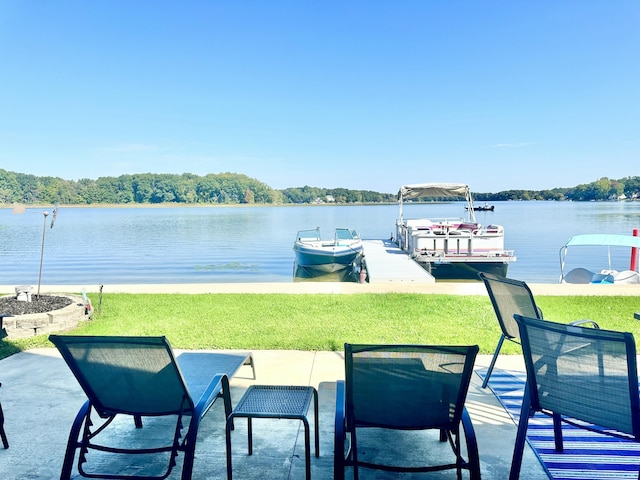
433, 190
419, 190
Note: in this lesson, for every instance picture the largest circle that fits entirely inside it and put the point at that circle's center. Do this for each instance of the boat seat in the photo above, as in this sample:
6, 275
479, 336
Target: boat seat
579, 275
626, 276
584, 276
602, 277
468, 226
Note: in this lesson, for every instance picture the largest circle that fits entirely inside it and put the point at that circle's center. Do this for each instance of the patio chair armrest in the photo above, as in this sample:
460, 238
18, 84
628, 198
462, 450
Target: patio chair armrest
219, 386
339, 432
585, 322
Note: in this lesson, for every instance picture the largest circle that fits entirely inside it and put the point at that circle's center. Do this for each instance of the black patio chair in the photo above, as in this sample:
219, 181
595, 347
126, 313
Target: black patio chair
405, 387
586, 377
508, 297
140, 377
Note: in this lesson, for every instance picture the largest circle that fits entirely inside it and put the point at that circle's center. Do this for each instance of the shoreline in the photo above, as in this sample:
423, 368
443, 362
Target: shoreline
194, 205
444, 288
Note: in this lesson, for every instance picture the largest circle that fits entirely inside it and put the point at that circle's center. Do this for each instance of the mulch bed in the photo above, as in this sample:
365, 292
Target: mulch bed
9, 304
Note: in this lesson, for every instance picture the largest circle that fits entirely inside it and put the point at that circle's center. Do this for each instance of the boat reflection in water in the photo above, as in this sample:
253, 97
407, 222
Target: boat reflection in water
350, 273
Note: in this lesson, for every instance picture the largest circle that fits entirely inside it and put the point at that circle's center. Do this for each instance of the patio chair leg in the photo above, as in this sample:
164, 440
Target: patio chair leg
518, 451
72, 443
354, 455
187, 468
557, 433
339, 432
190, 445
493, 361
472, 446
228, 429
3, 435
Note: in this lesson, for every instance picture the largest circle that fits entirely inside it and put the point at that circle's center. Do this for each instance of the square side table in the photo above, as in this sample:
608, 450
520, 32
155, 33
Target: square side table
276, 401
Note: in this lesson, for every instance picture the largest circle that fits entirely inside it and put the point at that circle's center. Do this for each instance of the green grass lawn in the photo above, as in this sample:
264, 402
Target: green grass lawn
325, 321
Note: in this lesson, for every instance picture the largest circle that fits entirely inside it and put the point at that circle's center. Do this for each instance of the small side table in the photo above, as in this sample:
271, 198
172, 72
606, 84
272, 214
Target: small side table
636, 315
266, 401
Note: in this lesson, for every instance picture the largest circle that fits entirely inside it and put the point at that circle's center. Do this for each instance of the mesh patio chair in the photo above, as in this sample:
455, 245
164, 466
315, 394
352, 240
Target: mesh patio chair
405, 387
141, 378
508, 297
586, 377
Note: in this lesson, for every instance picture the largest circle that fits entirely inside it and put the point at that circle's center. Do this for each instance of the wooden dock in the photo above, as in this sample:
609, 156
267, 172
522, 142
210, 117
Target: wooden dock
387, 263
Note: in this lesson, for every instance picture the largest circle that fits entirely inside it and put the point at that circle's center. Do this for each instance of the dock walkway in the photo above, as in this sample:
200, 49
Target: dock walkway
387, 263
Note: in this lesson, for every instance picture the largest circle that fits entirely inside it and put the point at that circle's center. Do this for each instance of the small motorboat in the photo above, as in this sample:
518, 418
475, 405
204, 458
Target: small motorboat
327, 255
608, 275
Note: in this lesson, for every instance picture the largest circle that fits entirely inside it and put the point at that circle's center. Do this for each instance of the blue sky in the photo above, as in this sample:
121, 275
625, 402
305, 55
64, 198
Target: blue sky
361, 94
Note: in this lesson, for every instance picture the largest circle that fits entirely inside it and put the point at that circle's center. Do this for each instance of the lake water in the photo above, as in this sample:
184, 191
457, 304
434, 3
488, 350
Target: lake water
96, 246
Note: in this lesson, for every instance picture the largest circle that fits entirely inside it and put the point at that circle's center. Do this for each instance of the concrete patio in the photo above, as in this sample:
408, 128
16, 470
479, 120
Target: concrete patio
40, 398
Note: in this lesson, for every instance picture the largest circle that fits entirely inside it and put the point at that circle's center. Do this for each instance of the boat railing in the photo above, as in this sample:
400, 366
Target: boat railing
459, 242
455, 242
426, 222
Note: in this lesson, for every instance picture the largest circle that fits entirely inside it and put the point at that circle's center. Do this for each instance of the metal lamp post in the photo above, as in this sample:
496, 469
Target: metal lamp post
21, 209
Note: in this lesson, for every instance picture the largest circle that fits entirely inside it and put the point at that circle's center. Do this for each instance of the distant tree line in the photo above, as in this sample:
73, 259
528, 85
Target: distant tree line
150, 188
147, 188
603, 189
335, 195
233, 188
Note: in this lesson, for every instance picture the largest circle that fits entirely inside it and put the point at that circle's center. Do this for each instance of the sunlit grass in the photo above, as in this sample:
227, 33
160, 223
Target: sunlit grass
325, 321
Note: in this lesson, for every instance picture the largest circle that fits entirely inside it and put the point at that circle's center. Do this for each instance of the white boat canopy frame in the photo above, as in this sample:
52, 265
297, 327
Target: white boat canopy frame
447, 190
603, 239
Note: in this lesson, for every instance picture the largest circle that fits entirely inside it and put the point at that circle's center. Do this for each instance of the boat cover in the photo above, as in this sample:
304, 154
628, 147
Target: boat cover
433, 190
603, 239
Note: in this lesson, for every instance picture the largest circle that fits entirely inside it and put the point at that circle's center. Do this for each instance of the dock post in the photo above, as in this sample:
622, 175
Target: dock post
634, 253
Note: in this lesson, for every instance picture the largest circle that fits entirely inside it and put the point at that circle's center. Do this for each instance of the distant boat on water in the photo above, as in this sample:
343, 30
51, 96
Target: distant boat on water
483, 208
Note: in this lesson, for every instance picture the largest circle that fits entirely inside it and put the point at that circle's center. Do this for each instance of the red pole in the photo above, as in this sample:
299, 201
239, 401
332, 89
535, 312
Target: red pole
634, 253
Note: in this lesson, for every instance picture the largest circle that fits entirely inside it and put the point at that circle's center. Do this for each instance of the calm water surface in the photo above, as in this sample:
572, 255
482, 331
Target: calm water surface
96, 246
